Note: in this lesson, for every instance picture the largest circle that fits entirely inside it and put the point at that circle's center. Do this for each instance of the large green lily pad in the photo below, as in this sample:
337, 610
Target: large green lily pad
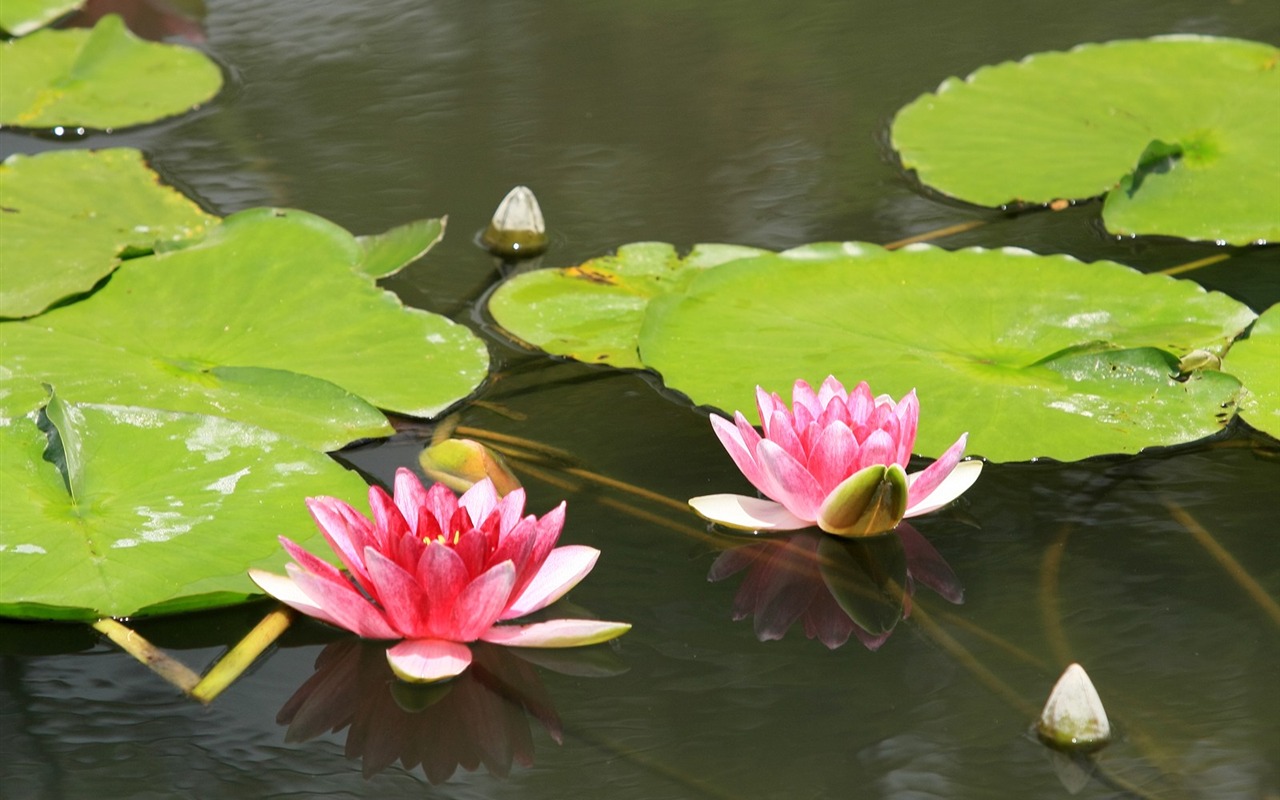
593, 312
1179, 132
101, 78
69, 215
1256, 362
1032, 355
20, 17
229, 324
140, 511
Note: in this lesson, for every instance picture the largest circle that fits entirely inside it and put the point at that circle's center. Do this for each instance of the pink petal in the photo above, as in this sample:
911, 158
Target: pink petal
954, 485
310, 562
473, 548
740, 444
387, 516
511, 509
556, 633
924, 482
879, 448
789, 481
343, 605
747, 513
766, 404
782, 433
402, 599
287, 592
428, 660
561, 571
517, 545
480, 500
480, 604
442, 573
860, 403
410, 496
437, 511
908, 413
805, 400
834, 453
347, 543
831, 389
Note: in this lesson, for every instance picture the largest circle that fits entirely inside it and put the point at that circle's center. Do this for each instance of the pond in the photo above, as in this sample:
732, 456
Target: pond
758, 123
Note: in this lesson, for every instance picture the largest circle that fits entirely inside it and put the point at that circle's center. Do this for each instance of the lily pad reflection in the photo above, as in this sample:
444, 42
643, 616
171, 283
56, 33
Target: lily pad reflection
836, 587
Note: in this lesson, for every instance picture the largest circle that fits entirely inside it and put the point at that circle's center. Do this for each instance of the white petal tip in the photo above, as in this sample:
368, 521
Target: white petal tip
428, 660
747, 513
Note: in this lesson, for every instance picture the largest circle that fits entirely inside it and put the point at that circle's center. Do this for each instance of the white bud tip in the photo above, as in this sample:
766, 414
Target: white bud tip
1073, 718
519, 211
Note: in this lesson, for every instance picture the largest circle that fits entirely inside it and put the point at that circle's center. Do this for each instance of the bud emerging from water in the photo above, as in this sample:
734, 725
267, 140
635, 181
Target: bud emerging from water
1073, 719
517, 229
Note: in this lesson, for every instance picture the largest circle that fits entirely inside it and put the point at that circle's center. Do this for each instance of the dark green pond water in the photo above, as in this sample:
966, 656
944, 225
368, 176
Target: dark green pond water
760, 123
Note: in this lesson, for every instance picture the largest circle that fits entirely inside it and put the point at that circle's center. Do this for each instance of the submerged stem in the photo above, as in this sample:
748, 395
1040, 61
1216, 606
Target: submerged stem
232, 665
158, 661
1227, 561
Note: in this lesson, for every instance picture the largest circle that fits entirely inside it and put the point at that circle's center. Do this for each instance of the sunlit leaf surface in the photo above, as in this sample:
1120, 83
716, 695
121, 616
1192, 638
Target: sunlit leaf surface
144, 511
1033, 355
1178, 132
249, 323
1256, 362
20, 17
68, 216
101, 78
592, 312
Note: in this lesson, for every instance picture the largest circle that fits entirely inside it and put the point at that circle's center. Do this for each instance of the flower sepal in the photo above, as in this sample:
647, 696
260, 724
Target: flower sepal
869, 502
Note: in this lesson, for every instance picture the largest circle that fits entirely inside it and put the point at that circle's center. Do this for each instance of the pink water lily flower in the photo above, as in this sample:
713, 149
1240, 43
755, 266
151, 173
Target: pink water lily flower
835, 459
437, 571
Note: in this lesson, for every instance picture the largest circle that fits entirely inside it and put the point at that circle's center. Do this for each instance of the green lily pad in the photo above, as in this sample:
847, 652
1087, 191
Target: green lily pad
1256, 362
142, 511
593, 312
1034, 356
69, 216
20, 17
268, 289
385, 254
1179, 132
101, 78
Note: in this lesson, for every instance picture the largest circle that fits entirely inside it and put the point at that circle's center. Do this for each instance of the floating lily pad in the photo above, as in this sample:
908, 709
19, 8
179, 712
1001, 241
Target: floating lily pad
1179, 132
1033, 355
20, 17
69, 215
592, 312
101, 78
385, 254
268, 289
1256, 362
141, 511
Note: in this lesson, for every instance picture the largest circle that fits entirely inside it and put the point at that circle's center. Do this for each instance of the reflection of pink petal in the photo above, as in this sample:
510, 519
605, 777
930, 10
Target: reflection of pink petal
556, 633
926, 565
428, 660
564, 568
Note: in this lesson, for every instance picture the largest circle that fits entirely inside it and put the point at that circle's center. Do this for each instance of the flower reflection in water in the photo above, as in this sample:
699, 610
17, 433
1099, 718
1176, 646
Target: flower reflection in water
838, 587
479, 718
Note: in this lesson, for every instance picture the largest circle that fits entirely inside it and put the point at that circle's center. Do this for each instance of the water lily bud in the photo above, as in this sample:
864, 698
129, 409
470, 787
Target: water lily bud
517, 229
1073, 719
462, 463
870, 502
